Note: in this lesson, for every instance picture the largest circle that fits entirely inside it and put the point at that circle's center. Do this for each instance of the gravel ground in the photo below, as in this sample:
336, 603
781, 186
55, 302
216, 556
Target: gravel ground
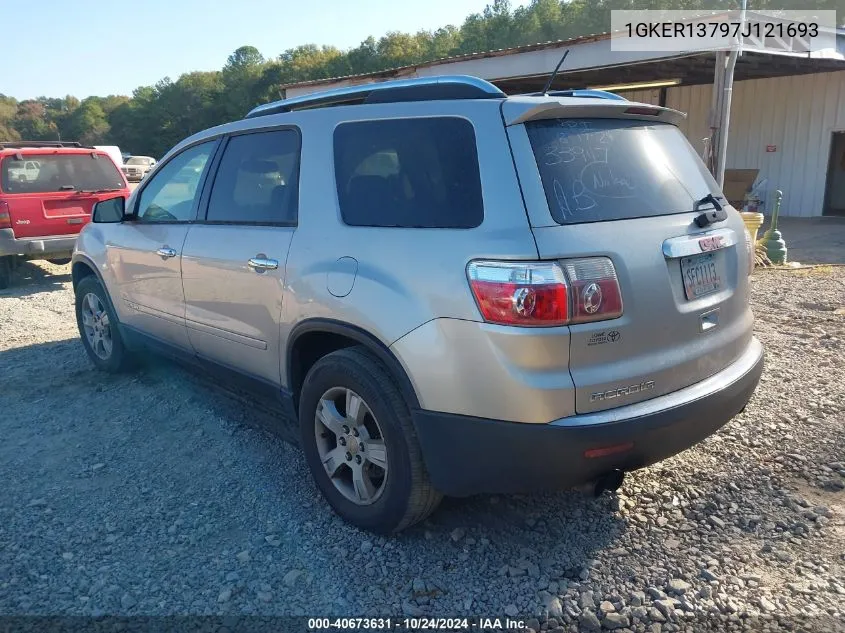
151, 494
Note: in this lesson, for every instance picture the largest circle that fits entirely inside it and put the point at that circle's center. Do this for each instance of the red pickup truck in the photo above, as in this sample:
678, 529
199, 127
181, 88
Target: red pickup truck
47, 193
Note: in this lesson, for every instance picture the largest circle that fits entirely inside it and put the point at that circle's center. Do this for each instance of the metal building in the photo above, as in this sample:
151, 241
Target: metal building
787, 117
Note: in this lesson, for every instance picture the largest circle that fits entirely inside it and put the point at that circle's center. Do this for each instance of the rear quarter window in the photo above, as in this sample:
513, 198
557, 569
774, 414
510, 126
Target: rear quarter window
412, 173
596, 170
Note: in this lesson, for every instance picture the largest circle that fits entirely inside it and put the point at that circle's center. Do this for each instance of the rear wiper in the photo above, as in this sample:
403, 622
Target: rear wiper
98, 190
67, 188
717, 214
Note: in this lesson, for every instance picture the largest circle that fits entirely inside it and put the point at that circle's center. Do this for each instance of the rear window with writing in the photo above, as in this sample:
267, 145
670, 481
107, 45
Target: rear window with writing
595, 170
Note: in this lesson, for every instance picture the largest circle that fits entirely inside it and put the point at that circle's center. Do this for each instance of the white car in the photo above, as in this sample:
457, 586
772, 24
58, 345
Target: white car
27, 173
136, 167
114, 152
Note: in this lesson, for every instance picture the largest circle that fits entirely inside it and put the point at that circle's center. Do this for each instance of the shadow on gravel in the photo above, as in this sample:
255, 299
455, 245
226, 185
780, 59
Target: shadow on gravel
156, 441
579, 525
38, 368
31, 278
567, 527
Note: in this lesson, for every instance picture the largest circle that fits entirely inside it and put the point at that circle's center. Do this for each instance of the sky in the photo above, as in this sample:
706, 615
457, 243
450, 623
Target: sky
102, 47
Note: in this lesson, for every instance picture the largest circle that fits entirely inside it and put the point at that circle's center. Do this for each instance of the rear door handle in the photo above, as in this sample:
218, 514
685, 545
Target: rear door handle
259, 264
166, 252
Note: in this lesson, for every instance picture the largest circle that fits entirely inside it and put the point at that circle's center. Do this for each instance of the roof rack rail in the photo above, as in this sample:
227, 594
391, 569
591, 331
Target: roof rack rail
422, 89
585, 93
23, 144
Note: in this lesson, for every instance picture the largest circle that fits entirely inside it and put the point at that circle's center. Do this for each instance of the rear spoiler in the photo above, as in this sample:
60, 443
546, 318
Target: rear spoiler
516, 110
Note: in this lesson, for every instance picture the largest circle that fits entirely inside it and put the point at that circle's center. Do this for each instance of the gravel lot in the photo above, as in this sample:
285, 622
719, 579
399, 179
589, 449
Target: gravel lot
151, 494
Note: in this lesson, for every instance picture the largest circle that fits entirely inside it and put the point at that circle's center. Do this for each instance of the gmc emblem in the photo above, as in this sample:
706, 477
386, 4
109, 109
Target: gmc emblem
712, 243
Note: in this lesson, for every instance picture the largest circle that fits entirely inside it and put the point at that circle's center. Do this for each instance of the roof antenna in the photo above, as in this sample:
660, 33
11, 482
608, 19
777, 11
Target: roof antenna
554, 73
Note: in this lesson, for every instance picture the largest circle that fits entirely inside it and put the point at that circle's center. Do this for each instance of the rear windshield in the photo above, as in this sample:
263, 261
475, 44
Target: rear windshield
595, 170
59, 172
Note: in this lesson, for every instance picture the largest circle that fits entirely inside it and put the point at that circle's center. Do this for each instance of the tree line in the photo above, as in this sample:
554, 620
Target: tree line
156, 117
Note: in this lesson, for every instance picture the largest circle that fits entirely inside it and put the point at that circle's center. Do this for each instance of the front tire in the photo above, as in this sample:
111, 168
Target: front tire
98, 327
360, 443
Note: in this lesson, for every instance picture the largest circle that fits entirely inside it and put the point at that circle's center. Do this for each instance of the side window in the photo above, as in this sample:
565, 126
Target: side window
420, 173
257, 181
170, 195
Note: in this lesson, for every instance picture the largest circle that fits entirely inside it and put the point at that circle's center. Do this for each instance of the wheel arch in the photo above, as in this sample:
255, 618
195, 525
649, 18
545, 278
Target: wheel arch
83, 267
311, 339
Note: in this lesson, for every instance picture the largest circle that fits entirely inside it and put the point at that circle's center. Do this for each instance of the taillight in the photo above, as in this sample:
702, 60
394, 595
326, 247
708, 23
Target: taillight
546, 293
520, 293
595, 289
5, 217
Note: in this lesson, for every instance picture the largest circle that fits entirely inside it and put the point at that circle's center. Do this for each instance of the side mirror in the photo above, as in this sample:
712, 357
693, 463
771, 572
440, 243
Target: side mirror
109, 211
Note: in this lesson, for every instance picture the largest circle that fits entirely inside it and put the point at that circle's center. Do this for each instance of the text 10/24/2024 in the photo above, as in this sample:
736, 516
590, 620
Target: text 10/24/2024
417, 624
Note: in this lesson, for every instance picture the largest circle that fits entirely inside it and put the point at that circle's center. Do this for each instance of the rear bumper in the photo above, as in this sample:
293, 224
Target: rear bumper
466, 455
35, 246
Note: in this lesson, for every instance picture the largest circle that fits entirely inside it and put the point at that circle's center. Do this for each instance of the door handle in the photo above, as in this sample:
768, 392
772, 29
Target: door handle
260, 264
166, 252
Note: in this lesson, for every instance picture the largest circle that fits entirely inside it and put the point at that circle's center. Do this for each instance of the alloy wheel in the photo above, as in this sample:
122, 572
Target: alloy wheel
95, 322
351, 445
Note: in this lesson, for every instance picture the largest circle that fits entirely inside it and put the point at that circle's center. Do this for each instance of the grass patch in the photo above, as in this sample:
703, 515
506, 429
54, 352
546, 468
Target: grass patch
814, 270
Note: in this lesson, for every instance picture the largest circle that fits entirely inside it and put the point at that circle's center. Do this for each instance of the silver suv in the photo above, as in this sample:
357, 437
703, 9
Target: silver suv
449, 290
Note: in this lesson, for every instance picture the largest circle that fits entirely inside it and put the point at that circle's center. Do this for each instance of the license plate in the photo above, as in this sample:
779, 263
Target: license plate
701, 275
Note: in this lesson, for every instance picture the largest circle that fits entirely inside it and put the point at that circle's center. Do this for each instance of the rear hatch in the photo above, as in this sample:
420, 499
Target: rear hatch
630, 190
58, 197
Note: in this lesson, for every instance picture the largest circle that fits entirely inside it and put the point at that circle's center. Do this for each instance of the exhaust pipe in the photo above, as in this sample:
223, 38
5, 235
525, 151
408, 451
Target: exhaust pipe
610, 481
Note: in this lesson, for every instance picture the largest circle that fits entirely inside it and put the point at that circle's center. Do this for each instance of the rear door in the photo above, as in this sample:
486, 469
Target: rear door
54, 193
630, 190
233, 263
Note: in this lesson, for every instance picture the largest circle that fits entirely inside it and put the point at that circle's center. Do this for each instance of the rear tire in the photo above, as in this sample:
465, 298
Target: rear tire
5, 272
99, 328
397, 494
60, 261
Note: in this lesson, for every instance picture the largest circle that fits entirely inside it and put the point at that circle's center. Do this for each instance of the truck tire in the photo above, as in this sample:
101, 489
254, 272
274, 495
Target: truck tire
5, 272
